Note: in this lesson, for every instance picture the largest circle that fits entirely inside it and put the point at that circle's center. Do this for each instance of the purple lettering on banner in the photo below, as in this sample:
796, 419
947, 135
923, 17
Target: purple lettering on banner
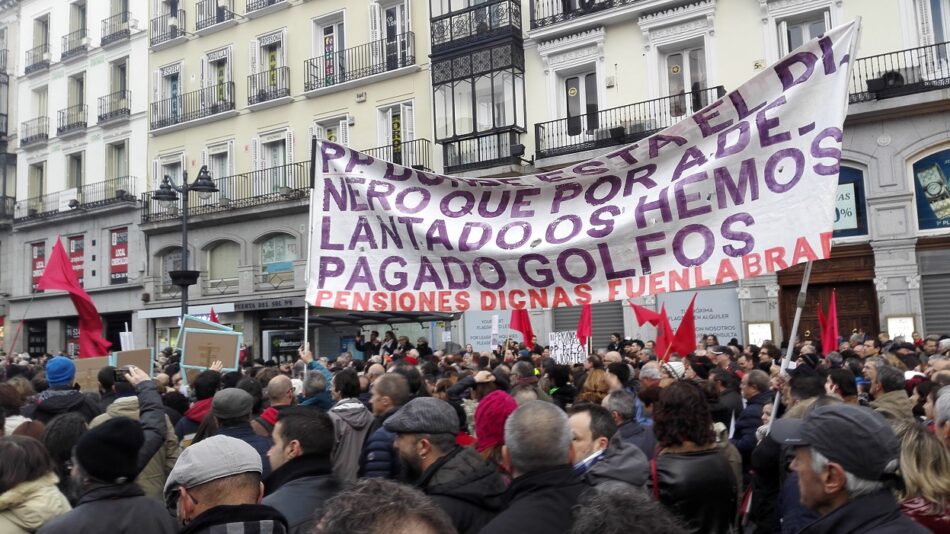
427, 275
425, 178
468, 203
361, 275
784, 69
390, 174
437, 234
742, 109
502, 234
339, 196
679, 242
723, 148
363, 233
424, 199
554, 176
764, 124
355, 204
465, 243
703, 117
379, 191
389, 231
683, 199
659, 141
357, 158
827, 55
645, 252
597, 221
456, 283
746, 238
325, 243
770, 169
640, 175
521, 202
590, 168
330, 151
330, 267
626, 154
834, 152
410, 223
589, 265
575, 229
493, 266
546, 276
748, 182
692, 157
401, 279
662, 203
608, 262
614, 187
485, 202
563, 193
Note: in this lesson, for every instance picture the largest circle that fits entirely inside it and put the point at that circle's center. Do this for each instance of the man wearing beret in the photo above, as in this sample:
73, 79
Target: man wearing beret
456, 478
62, 396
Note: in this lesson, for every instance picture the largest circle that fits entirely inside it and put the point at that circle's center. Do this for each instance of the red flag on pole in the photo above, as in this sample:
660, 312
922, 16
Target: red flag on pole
522, 323
664, 336
584, 325
59, 274
645, 315
684, 342
214, 316
829, 325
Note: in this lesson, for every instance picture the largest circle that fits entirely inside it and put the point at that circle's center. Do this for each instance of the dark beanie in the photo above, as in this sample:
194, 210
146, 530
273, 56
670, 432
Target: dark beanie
109, 452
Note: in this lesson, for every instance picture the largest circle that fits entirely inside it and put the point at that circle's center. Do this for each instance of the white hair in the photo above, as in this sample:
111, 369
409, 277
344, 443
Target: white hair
942, 406
856, 487
650, 371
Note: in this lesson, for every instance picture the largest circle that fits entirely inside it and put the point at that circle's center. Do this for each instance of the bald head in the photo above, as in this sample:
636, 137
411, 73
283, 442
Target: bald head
280, 391
612, 357
375, 371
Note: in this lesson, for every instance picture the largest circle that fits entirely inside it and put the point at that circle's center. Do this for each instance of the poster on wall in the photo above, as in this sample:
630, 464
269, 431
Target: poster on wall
850, 213
933, 191
37, 264
77, 257
119, 256
717, 311
479, 331
72, 339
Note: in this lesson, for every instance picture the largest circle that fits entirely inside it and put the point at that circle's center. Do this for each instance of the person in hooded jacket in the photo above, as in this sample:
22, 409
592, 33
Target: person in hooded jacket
601, 453
351, 423
456, 478
206, 385
29, 497
61, 397
622, 408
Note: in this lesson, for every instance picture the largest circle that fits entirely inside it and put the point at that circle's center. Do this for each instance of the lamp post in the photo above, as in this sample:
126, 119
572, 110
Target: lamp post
168, 194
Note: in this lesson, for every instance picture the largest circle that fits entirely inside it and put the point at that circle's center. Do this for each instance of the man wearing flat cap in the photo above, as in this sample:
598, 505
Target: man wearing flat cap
845, 457
231, 409
456, 478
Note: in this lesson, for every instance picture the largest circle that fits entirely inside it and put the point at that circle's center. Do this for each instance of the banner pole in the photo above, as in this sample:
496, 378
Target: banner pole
800, 304
306, 274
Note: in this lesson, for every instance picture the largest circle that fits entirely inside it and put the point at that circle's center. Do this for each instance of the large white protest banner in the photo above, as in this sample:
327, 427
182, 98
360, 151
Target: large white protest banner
744, 187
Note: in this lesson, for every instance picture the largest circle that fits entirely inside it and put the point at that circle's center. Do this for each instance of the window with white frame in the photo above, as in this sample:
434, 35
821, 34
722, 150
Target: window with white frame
933, 25
580, 101
223, 260
788, 25
220, 161
278, 254
334, 129
390, 22
75, 169
396, 131
797, 30
680, 44
329, 43
216, 72
117, 159
273, 154
685, 79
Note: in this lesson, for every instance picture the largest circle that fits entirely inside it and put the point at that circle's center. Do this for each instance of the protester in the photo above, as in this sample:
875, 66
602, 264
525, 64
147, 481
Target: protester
10, 403
756, 392
729, 407
29, 497
562, 392
600, 454
302, 478
846, 486
621, 406
612, 508
315, 392
216, 487
396, 509
61, 397
206, 385
351, 422
457, 479
389, 393
925, 470
280, 394
490, 417
60, 437
595, 388
941, 414
890, 397
231, 409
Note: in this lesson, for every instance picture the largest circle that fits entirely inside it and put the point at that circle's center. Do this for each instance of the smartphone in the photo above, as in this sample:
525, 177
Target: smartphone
119, 374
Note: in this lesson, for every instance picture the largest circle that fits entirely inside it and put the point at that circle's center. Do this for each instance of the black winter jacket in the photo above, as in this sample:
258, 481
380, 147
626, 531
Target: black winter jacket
749, 421
636, 434
244, 518
118, 509
53, 402
379, 459
699, 488
466, 487
540, 502
298, 490
877, 513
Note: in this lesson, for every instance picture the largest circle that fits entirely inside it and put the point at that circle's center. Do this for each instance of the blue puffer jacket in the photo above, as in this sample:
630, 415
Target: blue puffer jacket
379, 459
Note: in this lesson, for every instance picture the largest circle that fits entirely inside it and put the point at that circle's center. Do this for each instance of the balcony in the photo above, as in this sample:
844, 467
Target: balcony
213, 15
548, 12
34, 131
207, 103
115, 28
3, 125
478, 23
256, 188
270, 281
115, 106
271, 87
75, 44
415, 154
72, 120
370, 59
223, 286
167, 30
37, 59
7, 207
259, 8
618, 126
482, 152
89, 196
905, 72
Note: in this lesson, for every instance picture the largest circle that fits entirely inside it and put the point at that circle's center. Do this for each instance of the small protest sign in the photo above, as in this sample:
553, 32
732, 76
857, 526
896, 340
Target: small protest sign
87, 371
566, 348
141, 358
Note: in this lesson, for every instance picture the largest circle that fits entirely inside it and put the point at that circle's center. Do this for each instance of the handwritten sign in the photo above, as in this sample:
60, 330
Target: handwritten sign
201, 348
141, 358
87, 371
566, 348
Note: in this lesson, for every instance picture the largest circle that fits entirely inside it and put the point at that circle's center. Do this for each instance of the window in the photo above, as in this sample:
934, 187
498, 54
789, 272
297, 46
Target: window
77, 16
117, 160
274, 153
330, 42
336, 130
171, 261
170, 91
850, 209
932, 191
36, 180
77, 90
395, 25
796, 31
119, 75
216, 72
278, 254
74, 170
580, 102
40, 102
396, 130
788, 25
686, 79
218, 158
223, 262
41, 31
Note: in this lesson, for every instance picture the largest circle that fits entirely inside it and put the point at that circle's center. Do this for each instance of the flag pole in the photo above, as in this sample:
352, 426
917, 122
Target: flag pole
306, 274
800, 305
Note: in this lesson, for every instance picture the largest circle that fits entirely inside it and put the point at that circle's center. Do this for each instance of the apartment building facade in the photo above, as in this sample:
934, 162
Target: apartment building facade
81, 151
8, 139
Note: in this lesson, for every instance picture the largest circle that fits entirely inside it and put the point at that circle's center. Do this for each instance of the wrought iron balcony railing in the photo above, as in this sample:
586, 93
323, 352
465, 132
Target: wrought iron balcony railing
115, 28
167, 27
93, 195
255, 188
194, 105
415, 154
620, 125
254, 5
72, 119
484, 151
915, 70
37, 59
211, 12
75, 43
361, 61
547, 12
34, 131
268, 85
475, 23
115, 105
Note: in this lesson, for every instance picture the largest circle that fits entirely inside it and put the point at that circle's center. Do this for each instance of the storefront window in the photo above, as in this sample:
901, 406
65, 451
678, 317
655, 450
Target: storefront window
933, 191
278, 254
850, 209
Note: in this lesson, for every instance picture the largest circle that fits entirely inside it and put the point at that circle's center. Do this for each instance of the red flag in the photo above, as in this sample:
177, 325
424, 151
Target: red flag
59, 274
584, 325
645, 315
684, 342
664, 336
214, 316
522, 323
829, 326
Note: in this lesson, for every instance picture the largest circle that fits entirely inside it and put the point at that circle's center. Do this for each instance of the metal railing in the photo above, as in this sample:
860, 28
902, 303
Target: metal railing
204, 102
3, 60
222, 286
547, 12
166, 27
34, 131
484, 151
115, 105
474, 23
254, 5
360, 61
102, 193
115, 28
210, 12
72, 118
415, 154
272, 281
74, 43
255, 188
268, 85
620, 125
915, 70
37, 59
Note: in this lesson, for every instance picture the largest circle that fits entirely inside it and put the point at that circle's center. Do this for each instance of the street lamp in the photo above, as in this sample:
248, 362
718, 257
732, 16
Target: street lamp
168, 195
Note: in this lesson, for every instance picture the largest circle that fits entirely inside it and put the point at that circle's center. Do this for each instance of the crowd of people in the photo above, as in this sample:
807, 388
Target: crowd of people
409, 439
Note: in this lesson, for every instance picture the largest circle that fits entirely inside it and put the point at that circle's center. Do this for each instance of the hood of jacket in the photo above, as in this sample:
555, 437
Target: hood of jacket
353, 413
463, 474
308, 465
124, 407
31, 505
623, 461
895, 403
199, 410
59, 400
